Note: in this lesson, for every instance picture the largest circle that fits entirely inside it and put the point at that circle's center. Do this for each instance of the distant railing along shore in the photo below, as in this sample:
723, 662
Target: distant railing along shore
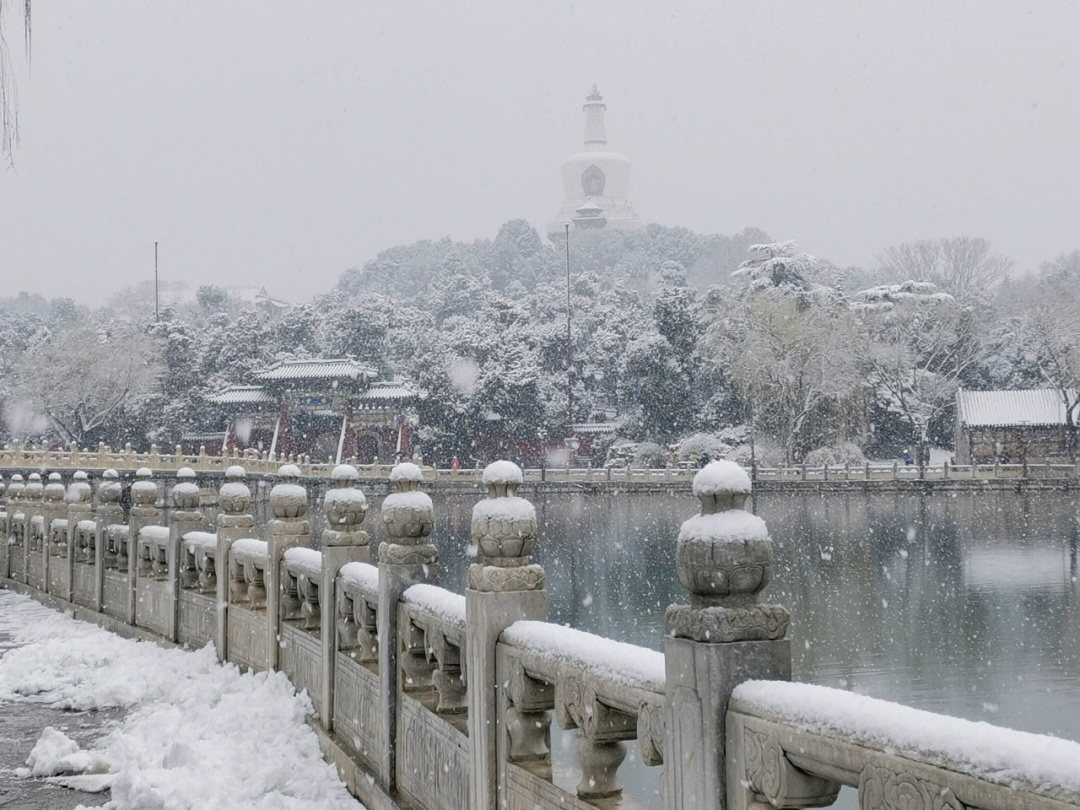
262, 463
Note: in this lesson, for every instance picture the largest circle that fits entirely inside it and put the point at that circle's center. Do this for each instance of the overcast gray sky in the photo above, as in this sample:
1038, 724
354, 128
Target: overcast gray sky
279, 144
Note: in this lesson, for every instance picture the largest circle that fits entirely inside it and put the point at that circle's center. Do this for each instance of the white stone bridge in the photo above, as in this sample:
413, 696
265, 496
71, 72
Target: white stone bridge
431, 699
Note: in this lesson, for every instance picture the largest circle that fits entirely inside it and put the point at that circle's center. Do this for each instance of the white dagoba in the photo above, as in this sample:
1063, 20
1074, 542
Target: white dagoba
596, 182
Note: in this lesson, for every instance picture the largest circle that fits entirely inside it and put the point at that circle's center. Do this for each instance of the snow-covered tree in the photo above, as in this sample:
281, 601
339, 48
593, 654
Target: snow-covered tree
787, 360
962, 266
84, 378
920, 344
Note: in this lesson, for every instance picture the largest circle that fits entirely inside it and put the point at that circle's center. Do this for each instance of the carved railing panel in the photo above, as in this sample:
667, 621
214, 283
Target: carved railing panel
432, 724
198, 562
301, 573
247, 574
357, 613
611, 692
432, 625
795, 745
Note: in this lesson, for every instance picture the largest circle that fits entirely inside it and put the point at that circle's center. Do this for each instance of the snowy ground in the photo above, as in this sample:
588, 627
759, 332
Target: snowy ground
187, 733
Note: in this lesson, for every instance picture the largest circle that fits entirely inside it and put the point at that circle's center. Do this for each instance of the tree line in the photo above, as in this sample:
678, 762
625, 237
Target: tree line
701, 343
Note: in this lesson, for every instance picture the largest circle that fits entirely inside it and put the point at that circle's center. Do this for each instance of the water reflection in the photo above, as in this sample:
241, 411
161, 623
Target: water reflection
963, 603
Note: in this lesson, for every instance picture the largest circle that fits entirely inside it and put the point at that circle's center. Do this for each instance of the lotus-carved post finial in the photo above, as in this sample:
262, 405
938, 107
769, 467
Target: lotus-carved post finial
15, 488
185, 493
288, 498
234, 497
109, 490
724, 559
345, 507
78, 490
409, 517
504, 533
344, 503
34, 487
144, 490
54, 490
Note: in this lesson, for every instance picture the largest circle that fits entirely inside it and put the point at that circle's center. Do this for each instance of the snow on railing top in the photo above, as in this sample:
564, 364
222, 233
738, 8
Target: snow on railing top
249, 548
307, 561
204, 540
1042, 763
154, 534
445, 605
615, 661
364, 576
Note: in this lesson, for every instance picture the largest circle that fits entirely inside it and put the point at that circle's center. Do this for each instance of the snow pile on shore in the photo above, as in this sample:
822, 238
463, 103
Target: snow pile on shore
197, 734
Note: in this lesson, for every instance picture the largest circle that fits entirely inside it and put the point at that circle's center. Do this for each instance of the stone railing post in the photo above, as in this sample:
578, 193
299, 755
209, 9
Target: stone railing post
504, 587
144, 512
289, 527
16, 504
342, 542
184, 516
5, 549
107, 512
406, 558
52, 508
722, 638
80, 506
234, 522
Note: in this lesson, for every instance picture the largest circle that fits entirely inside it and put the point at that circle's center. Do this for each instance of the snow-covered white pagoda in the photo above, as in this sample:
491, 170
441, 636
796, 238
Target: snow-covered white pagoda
596, 182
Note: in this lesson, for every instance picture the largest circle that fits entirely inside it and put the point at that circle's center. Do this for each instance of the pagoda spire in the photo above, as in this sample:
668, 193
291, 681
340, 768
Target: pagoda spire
595, 133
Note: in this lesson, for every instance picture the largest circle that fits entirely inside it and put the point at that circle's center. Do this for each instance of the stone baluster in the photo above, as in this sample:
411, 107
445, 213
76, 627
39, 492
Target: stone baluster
234, 522
31, 509
79, 500
144, 511
16, 508
55, 557
184, 516
5, 549
343, 541
504, 587
287, 529
107, 512
80, 507
406, 558
723, 637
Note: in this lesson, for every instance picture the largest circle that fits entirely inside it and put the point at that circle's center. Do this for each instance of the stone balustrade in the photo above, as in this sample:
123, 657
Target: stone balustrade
427, 698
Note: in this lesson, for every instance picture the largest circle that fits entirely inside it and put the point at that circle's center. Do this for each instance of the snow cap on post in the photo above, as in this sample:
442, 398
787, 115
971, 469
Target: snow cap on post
504, 533
406, 471
345, 473
724, 558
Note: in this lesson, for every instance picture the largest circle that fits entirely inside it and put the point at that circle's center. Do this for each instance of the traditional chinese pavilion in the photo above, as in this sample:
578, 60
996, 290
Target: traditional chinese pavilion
327, 408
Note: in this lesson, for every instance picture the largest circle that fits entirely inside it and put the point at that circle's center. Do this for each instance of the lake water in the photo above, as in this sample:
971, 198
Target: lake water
966, 604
